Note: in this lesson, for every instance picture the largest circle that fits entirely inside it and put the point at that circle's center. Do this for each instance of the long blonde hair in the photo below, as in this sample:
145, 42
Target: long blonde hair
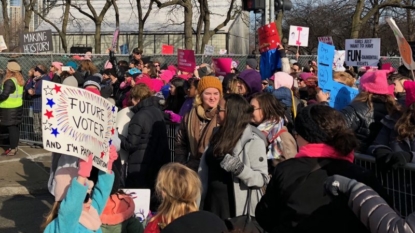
179, 187
17, 75
53, 213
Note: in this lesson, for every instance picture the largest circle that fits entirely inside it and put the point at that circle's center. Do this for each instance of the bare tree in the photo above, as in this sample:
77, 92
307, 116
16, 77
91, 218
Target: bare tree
28, 12
6, 22
95, 17
142, 18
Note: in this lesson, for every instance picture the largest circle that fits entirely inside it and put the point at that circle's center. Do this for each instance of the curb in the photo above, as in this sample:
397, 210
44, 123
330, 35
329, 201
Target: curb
21, 190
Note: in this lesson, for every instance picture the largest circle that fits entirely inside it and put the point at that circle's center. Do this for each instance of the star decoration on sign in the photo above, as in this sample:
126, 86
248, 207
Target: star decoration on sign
113, 109
57, 89
110, 142
112, 131
102, 154
55, 132
47, 125
50, 102
48, 90
49, 114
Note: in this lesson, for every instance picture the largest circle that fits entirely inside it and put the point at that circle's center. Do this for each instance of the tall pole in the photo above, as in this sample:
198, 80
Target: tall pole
271, 11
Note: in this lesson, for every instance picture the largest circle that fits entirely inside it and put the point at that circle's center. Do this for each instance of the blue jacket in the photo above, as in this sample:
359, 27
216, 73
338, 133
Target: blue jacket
283, 94
36, 98
70, 209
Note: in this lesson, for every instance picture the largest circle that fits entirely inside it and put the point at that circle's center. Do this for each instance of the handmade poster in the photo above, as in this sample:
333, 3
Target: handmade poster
186, 60
167, 49
325, 55
341, 95
268, 37
326, 39
362, 52
141, 198
209, 50
36, 42
124, 49
298, 36
222, 65
404, 47
77, 122
3, 45
338, 61
115, 38
123, 121
223, 51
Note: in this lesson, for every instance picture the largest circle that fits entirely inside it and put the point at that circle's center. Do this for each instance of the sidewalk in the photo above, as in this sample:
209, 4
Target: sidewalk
26, 173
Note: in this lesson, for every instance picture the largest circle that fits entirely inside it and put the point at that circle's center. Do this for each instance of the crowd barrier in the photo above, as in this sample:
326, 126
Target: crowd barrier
399, 183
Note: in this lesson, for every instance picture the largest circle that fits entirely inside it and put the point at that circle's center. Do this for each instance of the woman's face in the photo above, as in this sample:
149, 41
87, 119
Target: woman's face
172, 89
192, 91
301, 83
146, 69
242, 87
210, 97
221, 111
257, 116
31, 72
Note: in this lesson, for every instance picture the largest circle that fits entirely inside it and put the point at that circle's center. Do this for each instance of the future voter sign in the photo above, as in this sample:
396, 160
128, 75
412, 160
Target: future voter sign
362, 52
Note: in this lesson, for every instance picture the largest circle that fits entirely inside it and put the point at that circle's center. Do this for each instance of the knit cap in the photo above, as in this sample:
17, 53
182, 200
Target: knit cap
94, 80
282, 79
251, 62
375, 82
57, 65
72, 64
208, 82
409, 87
13, 66
305, 75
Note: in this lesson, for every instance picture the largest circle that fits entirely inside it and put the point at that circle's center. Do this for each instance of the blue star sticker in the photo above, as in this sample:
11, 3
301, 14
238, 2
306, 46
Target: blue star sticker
50, 102
113, 109
55, 132
110, 142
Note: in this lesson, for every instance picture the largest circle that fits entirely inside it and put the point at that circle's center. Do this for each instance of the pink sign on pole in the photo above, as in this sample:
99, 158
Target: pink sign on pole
222, 65
186, 60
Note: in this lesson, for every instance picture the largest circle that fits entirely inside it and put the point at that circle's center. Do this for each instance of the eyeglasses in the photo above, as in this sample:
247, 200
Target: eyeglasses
157, 65
256, 108
146, 66
219, 109
264, 83
87, 197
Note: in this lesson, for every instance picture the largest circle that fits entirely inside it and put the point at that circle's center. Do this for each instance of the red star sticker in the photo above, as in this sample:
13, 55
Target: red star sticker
49, 114
57, 88
112, 131
102, 154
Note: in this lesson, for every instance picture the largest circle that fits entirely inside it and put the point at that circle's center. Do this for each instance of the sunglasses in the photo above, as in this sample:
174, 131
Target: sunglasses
38, 70
264, 83
157, 65
87, 197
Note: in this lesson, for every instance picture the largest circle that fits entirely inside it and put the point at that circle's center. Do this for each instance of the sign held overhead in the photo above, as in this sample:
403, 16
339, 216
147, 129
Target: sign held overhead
362, 52
298, 36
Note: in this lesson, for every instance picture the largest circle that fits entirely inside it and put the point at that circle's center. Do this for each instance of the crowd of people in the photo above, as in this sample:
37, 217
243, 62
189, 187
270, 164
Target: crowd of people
250, 154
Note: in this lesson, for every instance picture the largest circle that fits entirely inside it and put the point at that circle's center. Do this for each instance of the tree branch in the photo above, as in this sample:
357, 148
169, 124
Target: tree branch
169, 3
83, 12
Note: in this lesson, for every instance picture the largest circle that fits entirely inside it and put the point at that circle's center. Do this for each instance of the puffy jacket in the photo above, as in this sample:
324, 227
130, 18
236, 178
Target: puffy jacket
364, 122
36, 84
9, 116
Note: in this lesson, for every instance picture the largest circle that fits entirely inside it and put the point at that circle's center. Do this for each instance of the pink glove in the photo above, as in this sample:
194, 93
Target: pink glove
175, 118
85, 167
113, 157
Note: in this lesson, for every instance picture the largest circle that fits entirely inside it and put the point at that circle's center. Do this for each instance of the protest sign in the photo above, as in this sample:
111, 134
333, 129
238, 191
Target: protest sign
186, 60
77, 122
325, 55
115, 38
404, 47
326, 39
3, 45
167, 49
298, 36
222, 65
141, 198
268, 37
123, 121
36, 42
209, 50
223, 51
338, 61
363, 52
341, 95
124, 49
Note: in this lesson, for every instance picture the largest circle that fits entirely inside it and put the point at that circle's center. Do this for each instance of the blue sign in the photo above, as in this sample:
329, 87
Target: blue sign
325, 56
341, 95
124, 49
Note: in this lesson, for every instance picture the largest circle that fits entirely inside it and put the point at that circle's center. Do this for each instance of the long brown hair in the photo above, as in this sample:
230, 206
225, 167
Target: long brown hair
88, 66
238, 116
271, 108
391, 105
17, 75
405, 126
53, 213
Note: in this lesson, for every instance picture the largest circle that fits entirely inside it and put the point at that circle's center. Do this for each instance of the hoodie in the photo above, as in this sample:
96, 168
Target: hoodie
252, 80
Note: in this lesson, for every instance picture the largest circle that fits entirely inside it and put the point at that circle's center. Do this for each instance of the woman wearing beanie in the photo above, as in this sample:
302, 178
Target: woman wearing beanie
283, 84
196, 128
77, 208
235, 163
295, 200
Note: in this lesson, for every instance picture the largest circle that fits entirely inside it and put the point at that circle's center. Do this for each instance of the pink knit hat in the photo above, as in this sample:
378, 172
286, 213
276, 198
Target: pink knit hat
409, 87
305, 75
108, 65
154, 84
375, 82
57, 65
282, 79
166, 75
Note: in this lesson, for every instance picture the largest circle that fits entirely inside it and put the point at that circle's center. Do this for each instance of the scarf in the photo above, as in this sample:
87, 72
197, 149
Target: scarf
320, 150
199, 135
90, 219
93, 90
270, 129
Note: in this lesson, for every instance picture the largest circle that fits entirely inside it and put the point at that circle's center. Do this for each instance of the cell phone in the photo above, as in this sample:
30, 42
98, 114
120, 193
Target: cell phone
66, 68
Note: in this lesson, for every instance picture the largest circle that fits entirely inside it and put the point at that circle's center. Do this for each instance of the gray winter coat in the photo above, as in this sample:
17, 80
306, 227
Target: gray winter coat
252, 152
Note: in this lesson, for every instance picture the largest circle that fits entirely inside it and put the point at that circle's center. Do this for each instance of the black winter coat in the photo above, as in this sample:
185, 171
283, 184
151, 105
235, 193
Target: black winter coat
146, 143
9, 116
295, 199
364, 122
56, 78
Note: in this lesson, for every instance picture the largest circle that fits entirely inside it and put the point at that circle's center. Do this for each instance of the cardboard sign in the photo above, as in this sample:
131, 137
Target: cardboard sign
209, 50
141, 198
3, 45
222, 65
298, 36
167, 49
186, 60
363, 52
404, 47
77, 122
326, 39
36, 42
268, 37
338, 61
341, 95
325, 55
115, 38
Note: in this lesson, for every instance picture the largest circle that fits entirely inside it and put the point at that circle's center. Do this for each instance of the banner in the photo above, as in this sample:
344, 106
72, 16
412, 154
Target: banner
298, 36
3, 45
209, 50
167, 49
325, 55
326, 39
115, 39
36, 42
362, 52
268, 37
186, 60
404, 47
222, 65
77, 122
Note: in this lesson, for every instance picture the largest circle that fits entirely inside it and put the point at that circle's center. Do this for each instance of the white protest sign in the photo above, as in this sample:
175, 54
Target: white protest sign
3, 45
338, 61
223, 51
298, 36
141, 198
362, 52
209, 50
123, 121
77, 122
326, 39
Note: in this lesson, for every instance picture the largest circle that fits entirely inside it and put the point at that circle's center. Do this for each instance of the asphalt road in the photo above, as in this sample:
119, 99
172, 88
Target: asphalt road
23, 213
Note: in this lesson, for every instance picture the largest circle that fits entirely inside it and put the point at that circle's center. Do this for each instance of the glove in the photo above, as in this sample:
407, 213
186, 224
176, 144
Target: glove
85, 167
394, 160
113, 157
338, 184
232, 164
175, 118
